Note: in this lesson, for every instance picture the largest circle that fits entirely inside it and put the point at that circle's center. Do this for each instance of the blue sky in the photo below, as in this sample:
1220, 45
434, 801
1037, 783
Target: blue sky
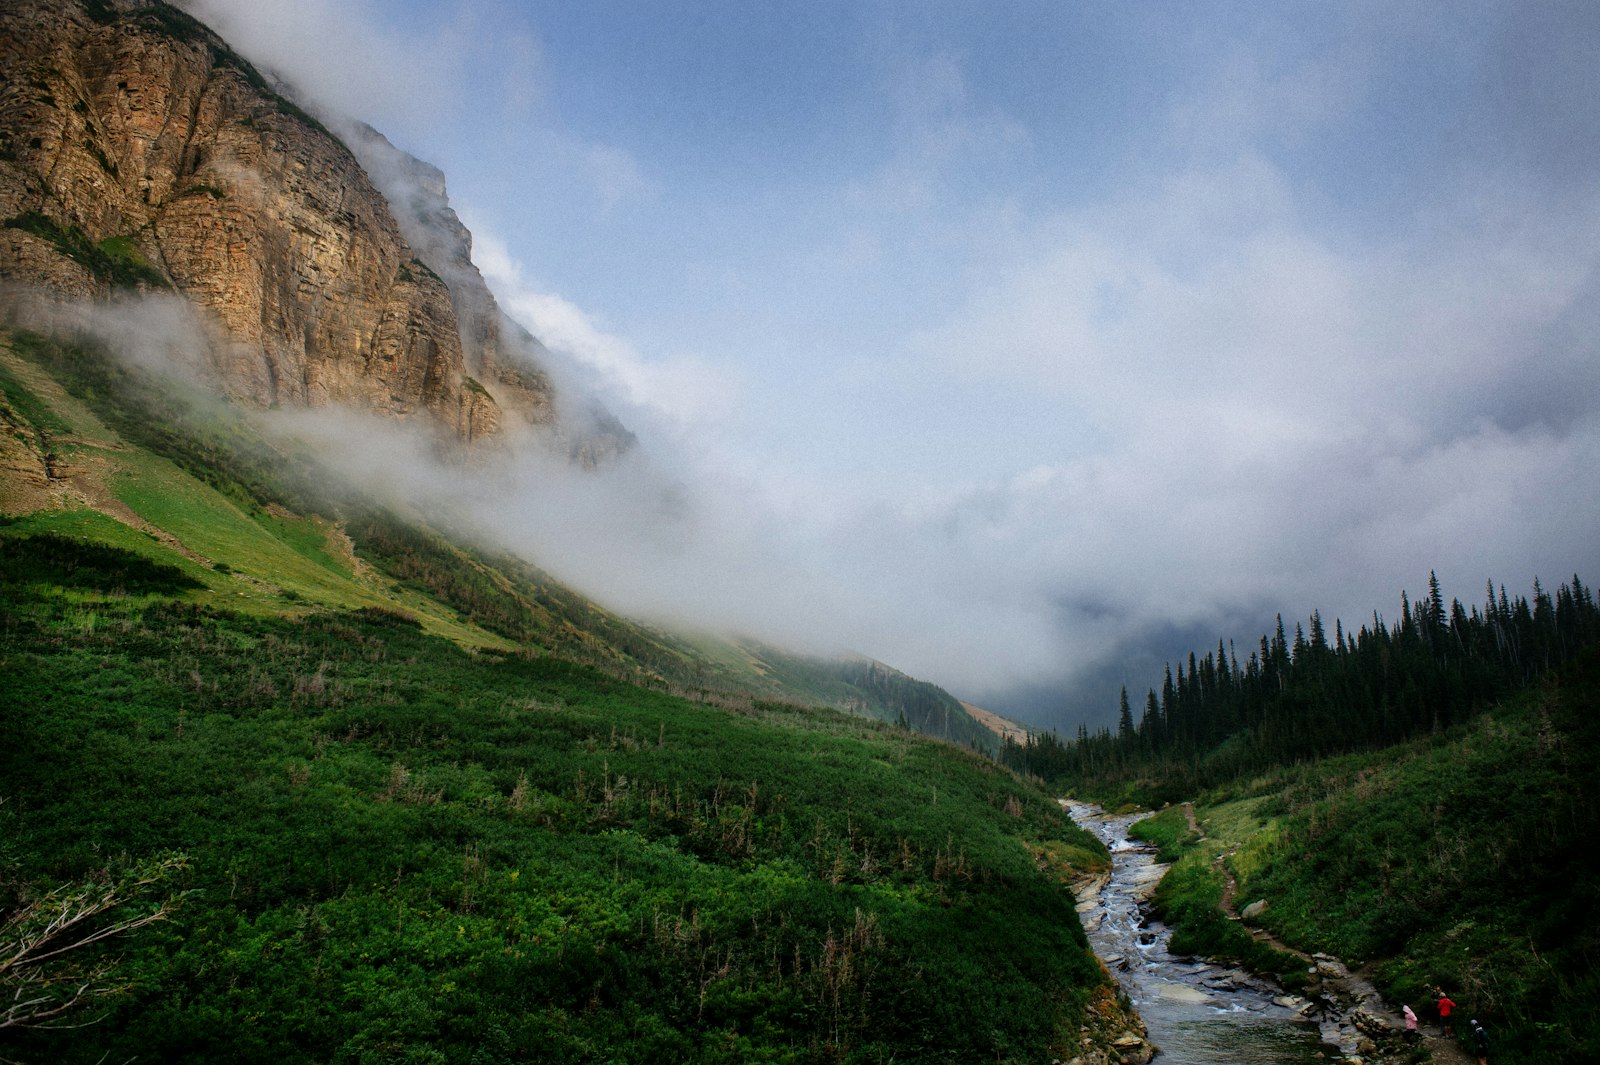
1018, 343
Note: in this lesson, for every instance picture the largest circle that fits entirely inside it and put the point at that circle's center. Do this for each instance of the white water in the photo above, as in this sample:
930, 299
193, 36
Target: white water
1197, 1013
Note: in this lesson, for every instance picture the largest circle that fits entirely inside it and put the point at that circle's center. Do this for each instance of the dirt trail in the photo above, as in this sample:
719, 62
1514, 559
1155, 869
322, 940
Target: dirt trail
1230, 891
1352, 989
1356, 987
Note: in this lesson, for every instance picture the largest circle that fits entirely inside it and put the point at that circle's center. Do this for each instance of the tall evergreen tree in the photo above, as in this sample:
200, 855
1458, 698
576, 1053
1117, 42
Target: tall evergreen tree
1384, 684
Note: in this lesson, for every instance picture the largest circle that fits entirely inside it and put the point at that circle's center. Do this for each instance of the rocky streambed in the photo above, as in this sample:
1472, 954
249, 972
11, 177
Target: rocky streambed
1200, 1013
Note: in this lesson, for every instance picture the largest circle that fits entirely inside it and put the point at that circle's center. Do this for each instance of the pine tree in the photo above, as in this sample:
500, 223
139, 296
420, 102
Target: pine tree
1383, 684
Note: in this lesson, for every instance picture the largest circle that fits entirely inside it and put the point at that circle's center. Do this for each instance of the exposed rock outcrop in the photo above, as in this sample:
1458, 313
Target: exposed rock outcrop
138, 150
1112, 1033
499, 350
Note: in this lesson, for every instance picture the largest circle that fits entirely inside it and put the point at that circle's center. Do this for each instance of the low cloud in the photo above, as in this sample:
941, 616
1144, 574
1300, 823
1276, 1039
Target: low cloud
1325, 323
344, 58
665, 393
1286, 423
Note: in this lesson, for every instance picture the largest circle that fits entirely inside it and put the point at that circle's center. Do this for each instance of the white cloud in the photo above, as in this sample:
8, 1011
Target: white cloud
682, 392
615, 174
1273, 403
1210, 297
344, 56
1285, 419
465, 65
938, 138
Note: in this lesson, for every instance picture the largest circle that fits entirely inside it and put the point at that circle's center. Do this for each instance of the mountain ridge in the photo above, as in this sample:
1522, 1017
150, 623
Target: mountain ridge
139, 151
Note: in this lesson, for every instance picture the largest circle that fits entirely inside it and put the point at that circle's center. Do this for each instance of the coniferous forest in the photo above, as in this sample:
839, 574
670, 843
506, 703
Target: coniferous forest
1416, 797
1295, 698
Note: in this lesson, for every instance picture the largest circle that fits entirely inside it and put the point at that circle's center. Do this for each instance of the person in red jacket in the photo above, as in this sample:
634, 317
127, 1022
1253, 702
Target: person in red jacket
1446, 1007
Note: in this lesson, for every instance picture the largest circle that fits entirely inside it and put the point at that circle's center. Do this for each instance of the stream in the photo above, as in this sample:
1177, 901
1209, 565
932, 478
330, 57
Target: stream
1197, 1013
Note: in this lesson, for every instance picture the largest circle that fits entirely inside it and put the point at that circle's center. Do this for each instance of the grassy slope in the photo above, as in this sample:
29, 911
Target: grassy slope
400, 848
270, 561
409, 845
1190, 896
1465, 861
201, 476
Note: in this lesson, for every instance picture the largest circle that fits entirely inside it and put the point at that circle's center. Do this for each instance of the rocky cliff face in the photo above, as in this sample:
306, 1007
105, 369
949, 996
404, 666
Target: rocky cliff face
137, 149
499, 350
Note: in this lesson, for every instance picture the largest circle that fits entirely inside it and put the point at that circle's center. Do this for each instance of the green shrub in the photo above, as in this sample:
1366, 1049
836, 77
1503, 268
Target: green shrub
401, 848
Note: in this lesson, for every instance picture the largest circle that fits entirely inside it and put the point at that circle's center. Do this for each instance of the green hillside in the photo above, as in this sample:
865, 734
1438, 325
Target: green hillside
289, 533
1464, 860
1419, 799
394, 799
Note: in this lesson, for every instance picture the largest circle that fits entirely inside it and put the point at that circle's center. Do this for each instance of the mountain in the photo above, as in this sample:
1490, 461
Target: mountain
297, 771
138, 150
506, 352
139, 153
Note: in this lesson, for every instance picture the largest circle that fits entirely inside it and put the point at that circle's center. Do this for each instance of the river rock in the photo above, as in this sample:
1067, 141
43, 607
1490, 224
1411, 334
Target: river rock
1300, 1005
1132, 1049
1371, 1024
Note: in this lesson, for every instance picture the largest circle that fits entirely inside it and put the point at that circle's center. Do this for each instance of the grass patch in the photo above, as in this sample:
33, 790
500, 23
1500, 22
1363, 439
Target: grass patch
1168, 830
130, 266
213, 526
24, 412
1189, 897
116, 261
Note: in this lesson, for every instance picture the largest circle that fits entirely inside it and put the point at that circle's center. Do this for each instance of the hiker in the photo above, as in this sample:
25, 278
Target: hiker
1480, 1042
1411, 1024
1445, 1008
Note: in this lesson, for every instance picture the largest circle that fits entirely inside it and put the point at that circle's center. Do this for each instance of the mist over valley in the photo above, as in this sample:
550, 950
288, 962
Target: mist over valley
534, 532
